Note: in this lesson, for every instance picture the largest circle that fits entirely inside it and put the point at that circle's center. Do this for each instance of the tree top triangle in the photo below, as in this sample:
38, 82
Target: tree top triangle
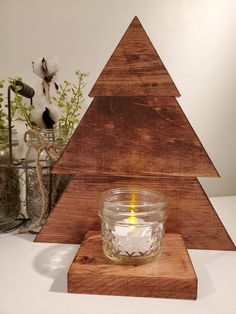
134, 68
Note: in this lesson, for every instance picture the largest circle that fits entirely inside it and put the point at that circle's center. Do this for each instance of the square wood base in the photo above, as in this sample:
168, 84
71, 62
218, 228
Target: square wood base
171, 275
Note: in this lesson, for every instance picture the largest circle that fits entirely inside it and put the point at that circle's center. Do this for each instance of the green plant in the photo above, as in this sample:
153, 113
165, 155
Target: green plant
3, 115
3, 118
70, 98
19, 109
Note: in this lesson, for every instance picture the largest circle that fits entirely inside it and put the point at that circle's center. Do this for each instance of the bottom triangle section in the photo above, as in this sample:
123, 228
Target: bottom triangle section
190, 213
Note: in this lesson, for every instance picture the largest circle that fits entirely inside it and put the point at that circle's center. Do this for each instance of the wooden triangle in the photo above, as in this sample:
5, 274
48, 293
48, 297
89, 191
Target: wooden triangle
135, 136
189, 211
134, 69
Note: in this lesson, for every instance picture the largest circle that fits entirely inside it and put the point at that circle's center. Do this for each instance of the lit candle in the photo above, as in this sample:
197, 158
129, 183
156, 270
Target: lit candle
131, 236
132, 224
133, 240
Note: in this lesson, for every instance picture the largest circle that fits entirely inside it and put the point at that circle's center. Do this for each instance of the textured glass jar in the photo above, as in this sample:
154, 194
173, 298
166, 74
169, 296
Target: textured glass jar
132, 222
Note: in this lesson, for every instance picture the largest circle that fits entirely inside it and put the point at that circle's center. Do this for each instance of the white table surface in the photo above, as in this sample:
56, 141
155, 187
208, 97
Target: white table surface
33, 278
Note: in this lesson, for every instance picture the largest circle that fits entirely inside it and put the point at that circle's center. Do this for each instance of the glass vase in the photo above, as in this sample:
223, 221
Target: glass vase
4, 147
132, 223
10, 202
44, 149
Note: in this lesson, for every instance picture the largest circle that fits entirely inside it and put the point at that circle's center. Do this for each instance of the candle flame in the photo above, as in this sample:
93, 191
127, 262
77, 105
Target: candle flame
132, 219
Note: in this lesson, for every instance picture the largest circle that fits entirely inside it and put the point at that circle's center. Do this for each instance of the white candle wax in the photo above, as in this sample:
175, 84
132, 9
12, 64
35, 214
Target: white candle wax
132, 239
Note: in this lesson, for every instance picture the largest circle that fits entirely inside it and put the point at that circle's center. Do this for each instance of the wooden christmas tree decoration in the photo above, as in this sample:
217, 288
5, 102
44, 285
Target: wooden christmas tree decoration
136, 140
135, 133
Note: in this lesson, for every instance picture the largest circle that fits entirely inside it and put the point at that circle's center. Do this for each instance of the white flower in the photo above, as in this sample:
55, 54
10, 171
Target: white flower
46, 67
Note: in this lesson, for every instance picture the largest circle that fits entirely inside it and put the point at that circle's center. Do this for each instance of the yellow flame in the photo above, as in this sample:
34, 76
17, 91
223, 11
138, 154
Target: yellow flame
132, 219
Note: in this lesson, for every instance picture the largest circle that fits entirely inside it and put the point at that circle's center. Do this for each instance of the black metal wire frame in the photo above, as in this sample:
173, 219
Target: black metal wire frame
9, 124
10, 116
18, 221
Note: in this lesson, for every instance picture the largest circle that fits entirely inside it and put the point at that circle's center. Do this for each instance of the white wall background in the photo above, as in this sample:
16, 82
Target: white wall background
196, 40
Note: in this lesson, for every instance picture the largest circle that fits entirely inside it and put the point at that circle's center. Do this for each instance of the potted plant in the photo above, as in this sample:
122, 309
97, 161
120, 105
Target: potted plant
50, 122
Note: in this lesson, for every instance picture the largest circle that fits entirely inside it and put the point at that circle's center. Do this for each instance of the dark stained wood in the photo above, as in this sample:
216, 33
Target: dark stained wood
134, 69
171, 275
135, 136
143, 140
189, 211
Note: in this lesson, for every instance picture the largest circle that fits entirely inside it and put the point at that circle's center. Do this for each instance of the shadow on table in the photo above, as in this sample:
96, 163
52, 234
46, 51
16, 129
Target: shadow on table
25, 236
54, 262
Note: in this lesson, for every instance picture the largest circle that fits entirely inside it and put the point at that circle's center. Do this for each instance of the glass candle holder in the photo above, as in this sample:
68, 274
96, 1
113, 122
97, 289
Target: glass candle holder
132, 223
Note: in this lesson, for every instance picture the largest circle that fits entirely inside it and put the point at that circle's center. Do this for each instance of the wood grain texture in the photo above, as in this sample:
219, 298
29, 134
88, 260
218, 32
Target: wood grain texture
171, 275
143, 140
134, 69
135, 136
189, 211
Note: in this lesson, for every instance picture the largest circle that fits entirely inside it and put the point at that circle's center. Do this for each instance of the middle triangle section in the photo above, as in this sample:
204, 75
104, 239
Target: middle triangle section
135, 136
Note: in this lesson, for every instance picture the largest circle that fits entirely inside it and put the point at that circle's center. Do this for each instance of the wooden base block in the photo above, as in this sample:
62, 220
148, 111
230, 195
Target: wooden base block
171, 275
